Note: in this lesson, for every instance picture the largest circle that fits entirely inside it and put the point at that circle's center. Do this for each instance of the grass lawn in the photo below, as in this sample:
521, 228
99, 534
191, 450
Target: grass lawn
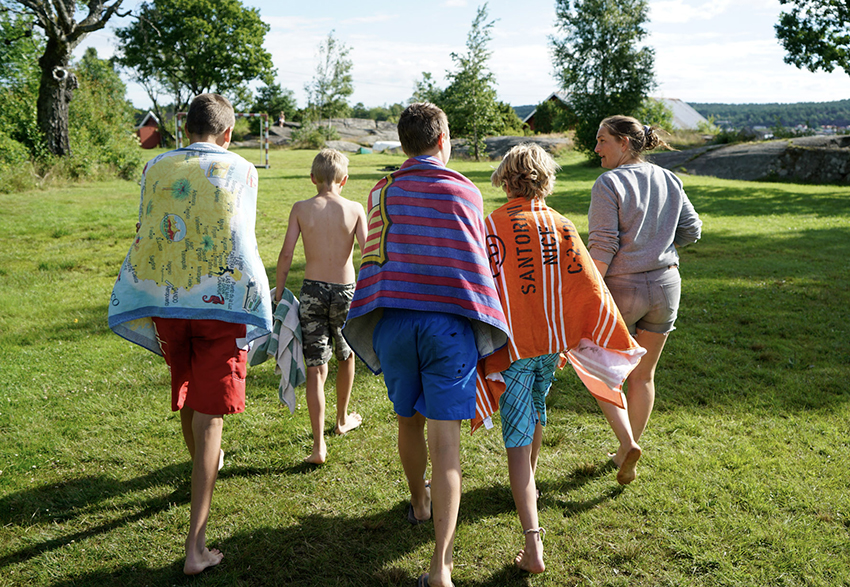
744, 479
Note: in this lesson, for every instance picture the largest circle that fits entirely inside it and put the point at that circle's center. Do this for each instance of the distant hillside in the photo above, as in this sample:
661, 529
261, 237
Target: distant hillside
812, 114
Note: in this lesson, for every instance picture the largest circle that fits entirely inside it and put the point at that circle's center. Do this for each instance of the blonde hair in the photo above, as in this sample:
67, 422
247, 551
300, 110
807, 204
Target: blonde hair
528, 171
329, 167
641, 138
420, 127
209, 115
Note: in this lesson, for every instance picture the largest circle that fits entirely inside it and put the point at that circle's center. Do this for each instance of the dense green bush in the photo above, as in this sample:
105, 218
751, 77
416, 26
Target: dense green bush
311, 136
103, 142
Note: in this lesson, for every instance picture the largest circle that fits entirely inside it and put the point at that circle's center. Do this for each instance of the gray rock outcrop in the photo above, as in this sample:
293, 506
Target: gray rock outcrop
818, 159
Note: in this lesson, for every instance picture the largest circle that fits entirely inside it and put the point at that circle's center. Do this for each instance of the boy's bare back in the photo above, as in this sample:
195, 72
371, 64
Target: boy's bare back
329, 223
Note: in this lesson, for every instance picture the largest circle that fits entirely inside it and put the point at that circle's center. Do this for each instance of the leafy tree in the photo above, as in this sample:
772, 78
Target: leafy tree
19, 80
102, 122
552, 116
470, 99
182, 48
332, 84
63, 32
655, 113
816, 34
378, 113
600, 62
426, 90
273, 100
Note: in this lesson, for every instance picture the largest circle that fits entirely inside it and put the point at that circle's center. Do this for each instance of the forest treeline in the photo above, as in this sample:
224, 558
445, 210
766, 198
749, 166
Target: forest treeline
811, 114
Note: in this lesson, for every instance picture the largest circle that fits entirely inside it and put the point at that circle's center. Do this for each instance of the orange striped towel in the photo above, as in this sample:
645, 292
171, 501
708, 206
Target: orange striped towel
555, 301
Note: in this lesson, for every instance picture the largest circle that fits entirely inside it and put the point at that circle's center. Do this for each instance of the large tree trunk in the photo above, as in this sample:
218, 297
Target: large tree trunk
54, 95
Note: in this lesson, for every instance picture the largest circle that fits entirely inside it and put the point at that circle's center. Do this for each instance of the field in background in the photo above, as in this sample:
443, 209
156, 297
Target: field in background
744, 479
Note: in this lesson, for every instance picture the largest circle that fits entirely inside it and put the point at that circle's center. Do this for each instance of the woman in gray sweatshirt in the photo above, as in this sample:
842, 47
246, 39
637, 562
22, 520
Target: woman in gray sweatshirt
639, 215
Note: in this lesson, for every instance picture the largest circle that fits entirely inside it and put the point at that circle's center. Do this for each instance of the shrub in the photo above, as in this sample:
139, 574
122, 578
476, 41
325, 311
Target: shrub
310, 136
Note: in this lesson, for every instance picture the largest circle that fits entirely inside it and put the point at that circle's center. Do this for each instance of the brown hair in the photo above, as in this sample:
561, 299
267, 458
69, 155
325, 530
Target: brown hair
209, 115
329, 166
527, 170
420, 127
641, 138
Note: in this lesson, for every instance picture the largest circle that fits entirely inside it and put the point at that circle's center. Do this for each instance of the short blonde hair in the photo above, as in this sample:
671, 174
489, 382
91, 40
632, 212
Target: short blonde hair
528, 171
329, 167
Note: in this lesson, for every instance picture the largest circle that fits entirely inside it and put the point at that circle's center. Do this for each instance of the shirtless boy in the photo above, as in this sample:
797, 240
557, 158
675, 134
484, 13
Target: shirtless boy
328, 224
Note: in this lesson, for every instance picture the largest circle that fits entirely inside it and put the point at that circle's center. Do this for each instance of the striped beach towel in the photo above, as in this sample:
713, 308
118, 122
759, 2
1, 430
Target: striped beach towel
425, 251
555, 301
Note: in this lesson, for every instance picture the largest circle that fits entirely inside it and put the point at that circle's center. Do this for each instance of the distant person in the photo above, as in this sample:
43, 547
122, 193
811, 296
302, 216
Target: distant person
639, 215
555, 302
281, 118
424, 311
193, 289
328, 224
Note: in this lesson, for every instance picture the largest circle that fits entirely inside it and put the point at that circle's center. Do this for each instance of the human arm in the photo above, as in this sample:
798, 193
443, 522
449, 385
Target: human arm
284, 260
689, 228
603, 219
360, 229
602, 267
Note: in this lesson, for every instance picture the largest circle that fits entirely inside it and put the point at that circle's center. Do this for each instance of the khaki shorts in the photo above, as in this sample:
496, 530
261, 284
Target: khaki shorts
323, 309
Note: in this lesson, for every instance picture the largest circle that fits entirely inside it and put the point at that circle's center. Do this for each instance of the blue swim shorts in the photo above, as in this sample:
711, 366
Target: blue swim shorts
428, 360
523, 403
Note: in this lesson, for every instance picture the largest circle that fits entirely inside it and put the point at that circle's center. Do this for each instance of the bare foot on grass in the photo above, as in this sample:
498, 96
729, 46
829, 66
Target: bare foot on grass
628, 472
352, 421
196, 563
317, 457
529, 563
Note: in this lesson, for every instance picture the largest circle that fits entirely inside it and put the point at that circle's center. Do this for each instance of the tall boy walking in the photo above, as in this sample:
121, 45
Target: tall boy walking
424, 311
328, 223
194, 289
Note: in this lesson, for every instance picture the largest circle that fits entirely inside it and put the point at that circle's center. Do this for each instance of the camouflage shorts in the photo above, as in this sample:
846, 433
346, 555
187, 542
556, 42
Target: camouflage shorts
322, 311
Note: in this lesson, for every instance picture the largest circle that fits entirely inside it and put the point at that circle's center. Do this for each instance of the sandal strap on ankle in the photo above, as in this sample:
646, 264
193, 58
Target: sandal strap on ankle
539, 531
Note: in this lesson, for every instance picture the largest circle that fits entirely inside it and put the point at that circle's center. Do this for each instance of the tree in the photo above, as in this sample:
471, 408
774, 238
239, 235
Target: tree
470, 99
182, 48
272, 99
19, 79
332, 83
63, 32
816, 34
426, 90
599, 61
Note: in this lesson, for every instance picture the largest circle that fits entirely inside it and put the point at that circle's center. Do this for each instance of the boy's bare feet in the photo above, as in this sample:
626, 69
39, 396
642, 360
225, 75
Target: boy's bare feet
196, 563
352, 421
627, 472
317, 457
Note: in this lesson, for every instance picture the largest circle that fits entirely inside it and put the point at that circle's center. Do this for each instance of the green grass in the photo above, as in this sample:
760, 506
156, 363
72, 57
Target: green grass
744, 479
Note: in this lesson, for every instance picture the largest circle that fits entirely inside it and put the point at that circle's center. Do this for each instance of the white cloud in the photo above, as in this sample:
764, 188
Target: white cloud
682, 11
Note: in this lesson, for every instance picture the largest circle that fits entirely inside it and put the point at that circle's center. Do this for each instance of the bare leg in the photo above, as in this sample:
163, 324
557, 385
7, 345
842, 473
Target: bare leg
413, 452
316, 377
629, 452
206, 431
444, 445
186, 415
536, 443
524, 491
345, 422
641, 381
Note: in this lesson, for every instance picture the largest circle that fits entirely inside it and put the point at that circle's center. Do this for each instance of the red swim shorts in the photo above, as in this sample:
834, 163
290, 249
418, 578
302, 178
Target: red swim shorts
207, 368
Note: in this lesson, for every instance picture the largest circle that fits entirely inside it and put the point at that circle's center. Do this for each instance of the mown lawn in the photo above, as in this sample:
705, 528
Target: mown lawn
744, 479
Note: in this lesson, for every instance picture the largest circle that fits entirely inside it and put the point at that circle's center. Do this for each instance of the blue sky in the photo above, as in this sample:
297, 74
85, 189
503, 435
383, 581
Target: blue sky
706, 50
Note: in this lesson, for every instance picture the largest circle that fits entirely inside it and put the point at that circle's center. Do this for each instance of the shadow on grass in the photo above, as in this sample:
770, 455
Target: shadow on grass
68, 500
316, 550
